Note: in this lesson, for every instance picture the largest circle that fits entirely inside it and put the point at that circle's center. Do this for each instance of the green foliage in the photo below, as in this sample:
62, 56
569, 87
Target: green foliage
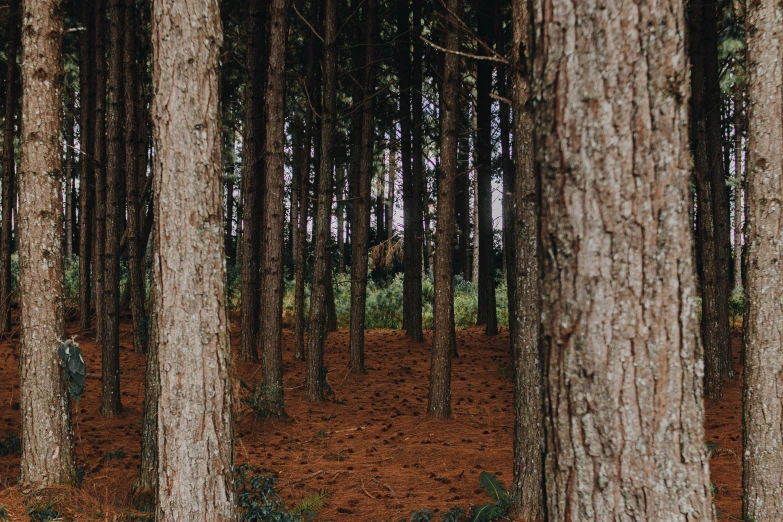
74, 367
421, 515
258, 501
4, 516
71, 279
43, 511
498, 510
118, 454
263, 399
11, 444
737, 306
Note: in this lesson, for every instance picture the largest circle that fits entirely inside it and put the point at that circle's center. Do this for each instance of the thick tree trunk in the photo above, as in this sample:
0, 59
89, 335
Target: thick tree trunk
711, 295
762, 461
252, 191
194, 413
99, 134
486, 271
110, 368
133, 99
274, 158
47, 440
9, 167
738, 207
316, 333
439, 405
87, 160
524, 287
360, 224
622, 370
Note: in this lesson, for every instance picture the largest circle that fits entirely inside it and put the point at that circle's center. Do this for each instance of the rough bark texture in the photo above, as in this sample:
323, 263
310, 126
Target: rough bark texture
9, 168
115, 157
87, 160
738, 206
524, 300
316, 333
47, 440
706, 231
439, 404
194, 413
251, 184
70, 123
134, 98
487, 314
762, 403
622, 366
414, 300
360, 225
99, 228
274, 158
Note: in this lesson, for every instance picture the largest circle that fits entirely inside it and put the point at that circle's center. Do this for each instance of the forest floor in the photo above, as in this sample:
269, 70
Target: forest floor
371, 448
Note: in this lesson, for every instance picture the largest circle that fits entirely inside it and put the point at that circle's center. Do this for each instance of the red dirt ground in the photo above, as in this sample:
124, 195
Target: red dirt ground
373, 449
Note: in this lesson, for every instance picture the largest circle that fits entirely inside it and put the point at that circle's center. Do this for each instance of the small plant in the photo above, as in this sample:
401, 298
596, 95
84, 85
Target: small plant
257, 499
43, 512
118, 454
308, 507
11, 444
489, 512
321, 433
74, 367
421, 515
263, 399
337, 457
4, 516
504, 370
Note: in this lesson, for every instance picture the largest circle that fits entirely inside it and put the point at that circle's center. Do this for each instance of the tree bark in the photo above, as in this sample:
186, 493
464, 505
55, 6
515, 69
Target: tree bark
621, 355
9, 168
47, 441
762, 462
87, 160
711, 295
134, 97
99, 231
251, 183
524, 286
487, 313
70, 123
360, 224
110, 367
274, 158
413, 300
439, 405
194, 412
738, 207
462, 180
316, 333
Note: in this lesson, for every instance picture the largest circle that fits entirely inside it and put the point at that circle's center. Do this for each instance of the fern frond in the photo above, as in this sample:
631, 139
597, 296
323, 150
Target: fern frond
494, 488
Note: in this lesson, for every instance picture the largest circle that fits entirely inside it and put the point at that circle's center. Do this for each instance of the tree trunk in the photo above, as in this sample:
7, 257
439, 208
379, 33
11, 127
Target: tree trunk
390, 184
762, 462
524, 286
194, 413
314, 381
623, 395
9, 177
110, 368
47, 441
413, 300
711, 295
340, 209
133, 98
474, 263
462, 203
738, 128
87, 140
99, 232
360, 224
70, 122
252, 191
486, 272
439, 405
274, 158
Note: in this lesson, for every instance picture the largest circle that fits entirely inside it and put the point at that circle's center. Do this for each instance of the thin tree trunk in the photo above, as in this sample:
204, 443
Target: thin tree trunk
439, 405
486, 244
87, 160
524, 287
251, 184
70, 121
47, 441
314, 381
340, 209
195, 431
360, 224
462, 180
9, 168
413, 301
110, 367
711, 295
390, 184
133, 98
624, 408
99, 232
274, 158
474, 275
738, 192
762, 462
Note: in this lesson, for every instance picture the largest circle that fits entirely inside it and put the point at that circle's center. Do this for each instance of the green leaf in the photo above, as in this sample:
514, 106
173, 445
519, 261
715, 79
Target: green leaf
494, 488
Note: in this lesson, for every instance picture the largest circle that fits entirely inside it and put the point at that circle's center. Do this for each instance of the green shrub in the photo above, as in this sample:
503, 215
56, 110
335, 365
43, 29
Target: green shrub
499, 509
258, 501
